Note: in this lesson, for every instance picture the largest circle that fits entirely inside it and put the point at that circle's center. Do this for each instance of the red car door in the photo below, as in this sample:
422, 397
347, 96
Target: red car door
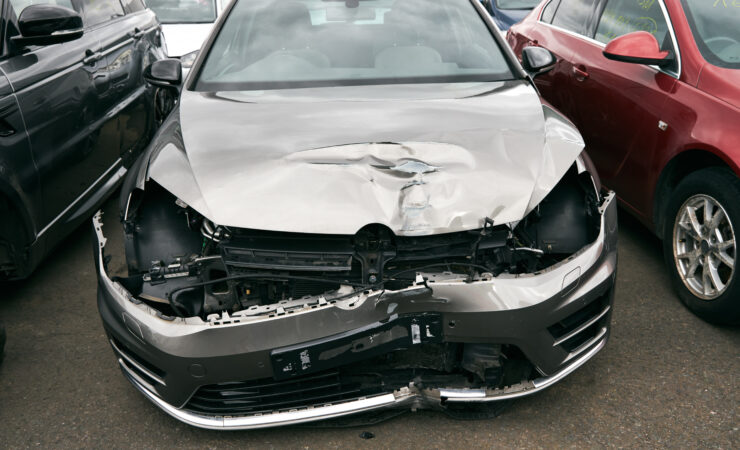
559, 33
620, 105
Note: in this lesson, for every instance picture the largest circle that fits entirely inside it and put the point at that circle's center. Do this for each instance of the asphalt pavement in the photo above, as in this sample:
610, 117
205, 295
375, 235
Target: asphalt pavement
665, 379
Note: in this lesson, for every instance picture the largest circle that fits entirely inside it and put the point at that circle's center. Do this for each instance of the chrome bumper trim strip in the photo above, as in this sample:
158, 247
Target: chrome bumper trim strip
291, 417
351, 407
131, 361
582, 327
539, 384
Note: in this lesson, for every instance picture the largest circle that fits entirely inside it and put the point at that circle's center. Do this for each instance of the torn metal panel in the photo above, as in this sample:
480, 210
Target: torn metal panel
423, 160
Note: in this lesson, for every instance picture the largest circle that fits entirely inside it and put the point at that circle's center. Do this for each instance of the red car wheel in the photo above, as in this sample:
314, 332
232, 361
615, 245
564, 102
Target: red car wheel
699, 241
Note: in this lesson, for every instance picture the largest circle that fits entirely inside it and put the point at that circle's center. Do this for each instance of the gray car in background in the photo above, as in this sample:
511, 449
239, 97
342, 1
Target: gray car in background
355, 206
186, 24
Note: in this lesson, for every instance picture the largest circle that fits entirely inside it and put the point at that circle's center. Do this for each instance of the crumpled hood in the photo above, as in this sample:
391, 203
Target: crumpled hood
420, 159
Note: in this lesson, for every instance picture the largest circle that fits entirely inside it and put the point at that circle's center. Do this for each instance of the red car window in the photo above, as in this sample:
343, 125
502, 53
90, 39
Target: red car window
625, 16
573, 15
549, 12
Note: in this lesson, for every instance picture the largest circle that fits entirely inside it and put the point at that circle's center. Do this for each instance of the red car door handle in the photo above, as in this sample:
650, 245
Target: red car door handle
580, 73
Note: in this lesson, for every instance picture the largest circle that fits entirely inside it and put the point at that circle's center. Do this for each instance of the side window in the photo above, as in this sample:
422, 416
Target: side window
625, 16
573, 15
549, 12
99, 11
132, 6
20, 5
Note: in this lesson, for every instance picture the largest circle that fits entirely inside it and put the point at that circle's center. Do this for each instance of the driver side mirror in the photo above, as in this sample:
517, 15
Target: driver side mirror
638, 47
537, 60
165, 73
47, 24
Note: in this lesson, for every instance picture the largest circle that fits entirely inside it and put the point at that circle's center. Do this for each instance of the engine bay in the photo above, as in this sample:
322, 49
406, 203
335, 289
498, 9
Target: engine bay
184, 265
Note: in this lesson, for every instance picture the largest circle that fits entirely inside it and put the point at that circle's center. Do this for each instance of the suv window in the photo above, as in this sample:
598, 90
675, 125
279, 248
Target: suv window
625, 16
99, 11
132, 6
573, 15
20, 5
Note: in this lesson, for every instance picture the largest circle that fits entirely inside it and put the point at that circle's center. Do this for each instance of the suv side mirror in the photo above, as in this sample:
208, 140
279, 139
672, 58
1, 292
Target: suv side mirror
47, 24
165, 73
639, 47
537, 60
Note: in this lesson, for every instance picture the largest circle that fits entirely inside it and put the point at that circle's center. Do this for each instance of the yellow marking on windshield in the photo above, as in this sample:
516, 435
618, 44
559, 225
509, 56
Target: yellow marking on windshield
735, 3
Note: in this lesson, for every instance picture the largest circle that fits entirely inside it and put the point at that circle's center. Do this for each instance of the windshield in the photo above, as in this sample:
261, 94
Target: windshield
184, 11
517, 4
716, 28
268, 44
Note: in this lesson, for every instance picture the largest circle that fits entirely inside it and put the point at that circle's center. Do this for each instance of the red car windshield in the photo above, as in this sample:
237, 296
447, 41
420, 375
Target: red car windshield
716, 28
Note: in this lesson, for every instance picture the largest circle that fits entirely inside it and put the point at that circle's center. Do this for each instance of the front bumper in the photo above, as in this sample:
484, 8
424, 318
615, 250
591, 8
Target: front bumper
168, 359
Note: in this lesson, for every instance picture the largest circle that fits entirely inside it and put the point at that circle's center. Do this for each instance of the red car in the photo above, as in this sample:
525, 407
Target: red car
654, 87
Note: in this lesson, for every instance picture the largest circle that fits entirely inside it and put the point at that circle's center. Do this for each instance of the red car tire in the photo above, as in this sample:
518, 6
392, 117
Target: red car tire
701, 251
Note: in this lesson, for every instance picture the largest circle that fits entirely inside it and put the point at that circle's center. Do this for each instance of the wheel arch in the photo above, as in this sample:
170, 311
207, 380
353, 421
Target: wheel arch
681, 165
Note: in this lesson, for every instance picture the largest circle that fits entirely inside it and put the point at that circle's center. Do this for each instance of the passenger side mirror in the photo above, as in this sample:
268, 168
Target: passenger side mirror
639, 47
537, 60
165, 73
47, 24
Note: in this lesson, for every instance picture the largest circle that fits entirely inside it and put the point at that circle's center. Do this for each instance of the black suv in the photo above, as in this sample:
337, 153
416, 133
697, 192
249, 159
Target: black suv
74, 114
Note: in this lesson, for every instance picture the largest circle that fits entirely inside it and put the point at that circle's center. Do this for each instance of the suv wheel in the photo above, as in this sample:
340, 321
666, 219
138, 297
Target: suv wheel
699, 244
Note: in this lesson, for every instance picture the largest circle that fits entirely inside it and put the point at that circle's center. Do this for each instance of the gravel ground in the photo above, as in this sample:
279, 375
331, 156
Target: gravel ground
666, 379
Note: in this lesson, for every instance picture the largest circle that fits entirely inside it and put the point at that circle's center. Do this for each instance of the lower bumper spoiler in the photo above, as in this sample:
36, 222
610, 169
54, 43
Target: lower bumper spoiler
398, 399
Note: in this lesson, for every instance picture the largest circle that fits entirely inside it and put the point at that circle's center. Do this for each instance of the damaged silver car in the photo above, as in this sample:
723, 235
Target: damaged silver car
355, 206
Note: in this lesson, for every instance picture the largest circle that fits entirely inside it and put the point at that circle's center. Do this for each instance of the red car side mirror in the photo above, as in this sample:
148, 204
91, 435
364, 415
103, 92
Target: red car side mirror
639, 47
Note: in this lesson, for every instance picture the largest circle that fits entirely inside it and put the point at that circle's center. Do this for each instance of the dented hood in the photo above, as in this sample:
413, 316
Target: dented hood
420, 159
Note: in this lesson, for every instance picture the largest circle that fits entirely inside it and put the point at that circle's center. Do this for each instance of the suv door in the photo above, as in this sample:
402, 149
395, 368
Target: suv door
126, 43
57, 87
18, 184
620, 104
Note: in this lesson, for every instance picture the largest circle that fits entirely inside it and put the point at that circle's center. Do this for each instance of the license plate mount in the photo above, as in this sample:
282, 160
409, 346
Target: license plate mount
397, 333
